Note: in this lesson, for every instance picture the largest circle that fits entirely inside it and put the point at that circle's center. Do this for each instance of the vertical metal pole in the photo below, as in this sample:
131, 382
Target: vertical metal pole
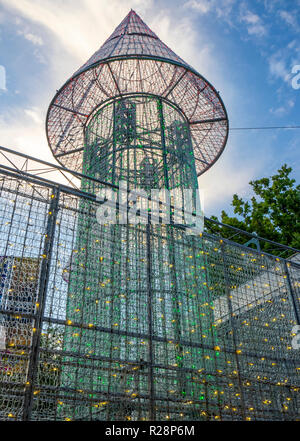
150, 318
163, 142
231, 321
291, 293
112, 230
113, 171
41, 301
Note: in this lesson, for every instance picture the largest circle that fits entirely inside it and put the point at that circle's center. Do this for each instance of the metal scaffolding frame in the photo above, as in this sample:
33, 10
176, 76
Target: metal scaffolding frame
137, 321
242, 367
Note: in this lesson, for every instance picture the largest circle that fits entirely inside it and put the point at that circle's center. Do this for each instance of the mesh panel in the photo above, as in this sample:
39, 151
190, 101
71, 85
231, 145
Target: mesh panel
138, 322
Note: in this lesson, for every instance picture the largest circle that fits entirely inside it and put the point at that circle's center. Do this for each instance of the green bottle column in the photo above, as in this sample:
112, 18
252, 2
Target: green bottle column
141, 284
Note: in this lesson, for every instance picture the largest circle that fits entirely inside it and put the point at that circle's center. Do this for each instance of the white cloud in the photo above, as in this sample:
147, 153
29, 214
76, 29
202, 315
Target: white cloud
80, 27
278, 67
2, 78
228, 176
254, 23
284, 109
34, 39
22, 130
34, 114
224, 7
201, 6
221, 7
272, 5
280, 64
289, 18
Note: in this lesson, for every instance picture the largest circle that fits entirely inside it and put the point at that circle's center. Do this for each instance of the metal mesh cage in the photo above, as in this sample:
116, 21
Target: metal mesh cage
137, 320
135, 61
198, 328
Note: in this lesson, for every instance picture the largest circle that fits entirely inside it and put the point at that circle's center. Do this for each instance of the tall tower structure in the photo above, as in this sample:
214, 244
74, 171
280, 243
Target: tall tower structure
137, 300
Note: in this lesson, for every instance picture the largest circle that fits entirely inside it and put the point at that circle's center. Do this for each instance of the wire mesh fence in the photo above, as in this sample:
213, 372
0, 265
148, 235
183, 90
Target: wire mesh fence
138, 322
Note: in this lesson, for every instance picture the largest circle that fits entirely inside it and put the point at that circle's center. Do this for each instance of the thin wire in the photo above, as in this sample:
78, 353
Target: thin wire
264, 128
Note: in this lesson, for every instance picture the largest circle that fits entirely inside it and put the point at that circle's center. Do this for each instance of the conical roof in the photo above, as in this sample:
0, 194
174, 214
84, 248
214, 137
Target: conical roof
133, 60
132, 37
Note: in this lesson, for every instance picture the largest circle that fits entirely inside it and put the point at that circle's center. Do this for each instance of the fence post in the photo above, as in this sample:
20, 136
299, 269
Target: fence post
232, 324
150, 324
41, 301
291, 293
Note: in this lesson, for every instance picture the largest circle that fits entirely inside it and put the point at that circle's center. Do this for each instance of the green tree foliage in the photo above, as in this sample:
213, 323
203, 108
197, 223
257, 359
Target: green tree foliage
273, 213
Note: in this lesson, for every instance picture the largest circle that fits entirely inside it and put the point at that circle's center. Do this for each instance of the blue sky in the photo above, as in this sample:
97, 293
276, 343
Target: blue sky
246, 49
